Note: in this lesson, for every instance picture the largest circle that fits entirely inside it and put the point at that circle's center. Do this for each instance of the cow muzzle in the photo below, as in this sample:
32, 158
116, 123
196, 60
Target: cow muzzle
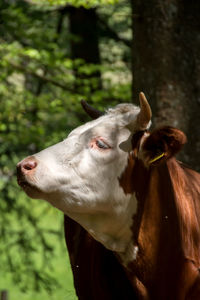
25, 171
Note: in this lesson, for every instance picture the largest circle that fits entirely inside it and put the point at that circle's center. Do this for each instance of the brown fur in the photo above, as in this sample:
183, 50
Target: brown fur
166, 140
97, 273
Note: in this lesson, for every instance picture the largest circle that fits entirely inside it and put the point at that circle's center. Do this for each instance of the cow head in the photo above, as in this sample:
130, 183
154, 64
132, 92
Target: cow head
80, 175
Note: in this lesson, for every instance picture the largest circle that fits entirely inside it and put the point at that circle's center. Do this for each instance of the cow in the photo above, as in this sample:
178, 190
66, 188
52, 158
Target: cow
132, 211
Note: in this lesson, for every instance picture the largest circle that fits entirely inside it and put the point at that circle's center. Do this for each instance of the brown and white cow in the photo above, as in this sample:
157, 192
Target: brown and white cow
127, 202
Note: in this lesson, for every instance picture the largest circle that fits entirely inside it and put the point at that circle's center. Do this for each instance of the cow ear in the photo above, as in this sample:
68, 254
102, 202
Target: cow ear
162, 144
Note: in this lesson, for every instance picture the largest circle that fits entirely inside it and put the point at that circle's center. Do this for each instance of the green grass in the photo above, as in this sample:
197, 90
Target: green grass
60, 265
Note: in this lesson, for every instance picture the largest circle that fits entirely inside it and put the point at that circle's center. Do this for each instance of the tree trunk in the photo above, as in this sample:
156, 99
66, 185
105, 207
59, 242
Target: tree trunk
166, 66
84, 41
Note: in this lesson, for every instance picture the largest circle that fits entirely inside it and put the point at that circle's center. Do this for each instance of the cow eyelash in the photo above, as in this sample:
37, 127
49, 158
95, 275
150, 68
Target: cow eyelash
102, 145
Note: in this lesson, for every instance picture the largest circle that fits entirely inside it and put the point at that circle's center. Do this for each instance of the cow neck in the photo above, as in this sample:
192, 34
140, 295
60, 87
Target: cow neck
165, 228
133, 181
130, 185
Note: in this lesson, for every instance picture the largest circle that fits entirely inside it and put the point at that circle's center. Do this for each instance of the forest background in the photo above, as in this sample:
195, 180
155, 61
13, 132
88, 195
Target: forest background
53, 53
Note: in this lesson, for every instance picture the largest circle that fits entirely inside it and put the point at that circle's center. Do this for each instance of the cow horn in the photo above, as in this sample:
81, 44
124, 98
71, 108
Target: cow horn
143, 117
145, 113
92, 112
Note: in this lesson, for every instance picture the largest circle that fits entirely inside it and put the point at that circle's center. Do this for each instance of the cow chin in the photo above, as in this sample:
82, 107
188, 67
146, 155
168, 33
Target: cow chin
31, 191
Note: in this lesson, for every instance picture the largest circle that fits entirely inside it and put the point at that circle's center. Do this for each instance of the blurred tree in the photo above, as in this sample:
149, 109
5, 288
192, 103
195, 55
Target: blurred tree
166, 65
85, 43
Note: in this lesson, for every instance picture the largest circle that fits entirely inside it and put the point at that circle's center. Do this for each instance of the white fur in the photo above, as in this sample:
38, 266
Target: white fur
83, 182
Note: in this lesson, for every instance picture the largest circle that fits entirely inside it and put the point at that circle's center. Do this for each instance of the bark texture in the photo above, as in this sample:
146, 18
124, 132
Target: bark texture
166, 66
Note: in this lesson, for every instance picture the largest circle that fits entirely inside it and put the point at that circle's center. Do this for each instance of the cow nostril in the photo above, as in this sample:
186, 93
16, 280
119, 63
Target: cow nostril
29, 165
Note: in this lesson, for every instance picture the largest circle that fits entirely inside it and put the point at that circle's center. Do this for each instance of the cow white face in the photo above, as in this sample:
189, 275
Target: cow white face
80, 176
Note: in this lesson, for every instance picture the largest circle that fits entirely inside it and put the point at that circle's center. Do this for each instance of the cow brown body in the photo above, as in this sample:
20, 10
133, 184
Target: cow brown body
97, 273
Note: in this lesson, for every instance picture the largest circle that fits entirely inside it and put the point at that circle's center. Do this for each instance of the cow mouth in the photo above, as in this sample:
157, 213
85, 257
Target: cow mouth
22, 181
31, 190
25, 184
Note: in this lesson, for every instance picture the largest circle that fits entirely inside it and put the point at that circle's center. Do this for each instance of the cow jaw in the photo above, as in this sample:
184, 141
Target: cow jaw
113, 228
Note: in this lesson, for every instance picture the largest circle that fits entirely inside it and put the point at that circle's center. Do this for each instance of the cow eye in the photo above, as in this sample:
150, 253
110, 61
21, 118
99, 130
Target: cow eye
102, 145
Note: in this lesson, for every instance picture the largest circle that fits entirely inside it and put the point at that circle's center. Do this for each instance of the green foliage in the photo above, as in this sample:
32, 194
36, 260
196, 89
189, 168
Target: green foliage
40, 90
76, 3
